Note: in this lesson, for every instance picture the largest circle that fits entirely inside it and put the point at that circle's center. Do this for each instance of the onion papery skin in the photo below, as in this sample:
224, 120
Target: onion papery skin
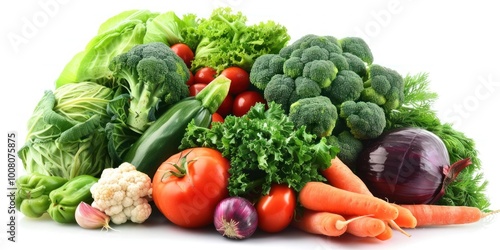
405, 166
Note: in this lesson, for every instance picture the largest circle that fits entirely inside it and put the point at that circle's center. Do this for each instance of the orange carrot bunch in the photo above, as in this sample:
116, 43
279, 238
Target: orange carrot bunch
345, 205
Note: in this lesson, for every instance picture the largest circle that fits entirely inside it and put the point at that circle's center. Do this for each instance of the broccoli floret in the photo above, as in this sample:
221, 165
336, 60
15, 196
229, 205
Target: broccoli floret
285, 90
329, 43
264, 68
349, 146
317, 114
347, 86
356, 64
365, 120
384, 87
321, 71
358, 47
304, 88
314, 53
339, 60
153, 75
280, 89
293, 67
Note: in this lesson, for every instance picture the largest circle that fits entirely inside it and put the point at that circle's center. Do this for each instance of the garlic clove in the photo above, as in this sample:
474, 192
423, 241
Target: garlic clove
89, 217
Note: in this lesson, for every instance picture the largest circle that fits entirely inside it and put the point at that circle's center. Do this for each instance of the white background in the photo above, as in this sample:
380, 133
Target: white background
456, 42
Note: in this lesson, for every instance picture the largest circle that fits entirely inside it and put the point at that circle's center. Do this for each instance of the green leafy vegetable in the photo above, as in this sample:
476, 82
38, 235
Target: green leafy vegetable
264, 148
66, 132
116, 35
225, 39
170, 29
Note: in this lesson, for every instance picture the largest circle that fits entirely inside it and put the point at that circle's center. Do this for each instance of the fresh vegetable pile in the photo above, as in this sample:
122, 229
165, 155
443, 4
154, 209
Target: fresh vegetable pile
217, 122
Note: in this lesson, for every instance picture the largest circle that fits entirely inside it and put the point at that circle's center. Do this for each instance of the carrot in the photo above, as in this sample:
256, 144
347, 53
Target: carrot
386, 234
323, 223
405, 218
319, 196
341, 176
439, 215
366, 227
338, 174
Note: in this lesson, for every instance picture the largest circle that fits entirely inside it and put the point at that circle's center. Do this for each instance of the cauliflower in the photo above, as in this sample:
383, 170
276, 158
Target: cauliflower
123, 193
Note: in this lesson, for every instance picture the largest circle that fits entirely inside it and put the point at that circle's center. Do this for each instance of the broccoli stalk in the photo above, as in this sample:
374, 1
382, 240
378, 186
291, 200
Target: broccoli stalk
153, 75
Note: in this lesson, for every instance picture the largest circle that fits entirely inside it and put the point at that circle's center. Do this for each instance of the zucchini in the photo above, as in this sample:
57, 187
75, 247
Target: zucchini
163, 138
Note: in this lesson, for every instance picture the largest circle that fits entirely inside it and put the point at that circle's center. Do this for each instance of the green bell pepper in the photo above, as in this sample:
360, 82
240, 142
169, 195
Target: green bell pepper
32, 194
65, 199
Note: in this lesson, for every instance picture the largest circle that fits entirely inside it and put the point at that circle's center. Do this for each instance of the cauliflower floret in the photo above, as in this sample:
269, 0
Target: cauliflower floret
123, 193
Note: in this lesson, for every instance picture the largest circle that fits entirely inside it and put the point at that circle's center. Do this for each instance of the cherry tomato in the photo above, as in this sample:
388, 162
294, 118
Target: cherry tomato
190, 81
205, 75
188, 186
184, 52
196, 88
216, 117
226, 107
240, 80
276, 209
245, 100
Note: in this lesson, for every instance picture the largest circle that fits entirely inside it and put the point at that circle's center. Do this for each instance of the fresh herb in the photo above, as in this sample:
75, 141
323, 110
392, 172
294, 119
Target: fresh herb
264, 148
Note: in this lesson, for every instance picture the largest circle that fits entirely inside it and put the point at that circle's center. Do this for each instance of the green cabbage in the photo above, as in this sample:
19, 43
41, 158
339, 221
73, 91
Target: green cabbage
66, 135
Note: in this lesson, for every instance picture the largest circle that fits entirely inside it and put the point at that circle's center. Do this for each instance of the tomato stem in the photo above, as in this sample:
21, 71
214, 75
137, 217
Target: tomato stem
180, 167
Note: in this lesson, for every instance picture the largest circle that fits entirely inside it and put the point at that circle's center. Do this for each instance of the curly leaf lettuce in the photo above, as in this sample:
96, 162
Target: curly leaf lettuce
227, 40
264, 148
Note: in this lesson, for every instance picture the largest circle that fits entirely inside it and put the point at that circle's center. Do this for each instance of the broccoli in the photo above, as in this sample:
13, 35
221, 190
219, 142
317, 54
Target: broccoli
280, 89
314, 53
321, 71
384, 86
365, 120
340, 61
358, 47
317, 114
356, 64
285, 90
349, 146
153, 75
347, 86
293, 67
326, 42
264, 68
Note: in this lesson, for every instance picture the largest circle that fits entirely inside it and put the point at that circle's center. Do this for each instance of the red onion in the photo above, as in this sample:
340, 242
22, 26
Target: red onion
235, 218
408, 166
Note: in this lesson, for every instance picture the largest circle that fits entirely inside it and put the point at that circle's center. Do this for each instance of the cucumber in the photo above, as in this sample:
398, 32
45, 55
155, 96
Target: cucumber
163, 138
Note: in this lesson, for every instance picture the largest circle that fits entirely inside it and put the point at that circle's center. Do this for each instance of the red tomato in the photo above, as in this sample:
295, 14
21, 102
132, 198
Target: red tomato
226, 107
188, 186
240, 80
245, 100
205, 75
275, 210
184, 52
190, 81
216, 117
196, 88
